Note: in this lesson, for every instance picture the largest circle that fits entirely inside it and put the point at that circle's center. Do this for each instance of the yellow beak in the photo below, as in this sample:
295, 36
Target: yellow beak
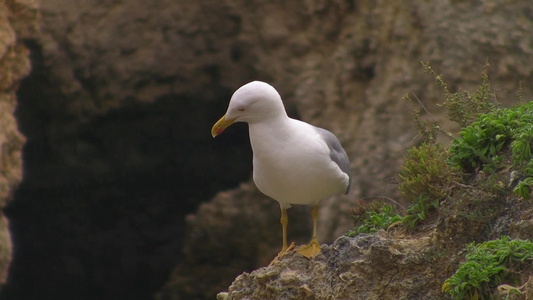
221, 125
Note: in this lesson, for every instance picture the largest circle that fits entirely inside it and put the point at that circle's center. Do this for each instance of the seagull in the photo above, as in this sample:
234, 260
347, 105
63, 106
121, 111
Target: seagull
293, 162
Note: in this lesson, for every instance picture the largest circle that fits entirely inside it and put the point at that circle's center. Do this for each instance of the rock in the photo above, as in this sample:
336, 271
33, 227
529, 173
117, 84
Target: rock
211, 230
18, 20
363, 267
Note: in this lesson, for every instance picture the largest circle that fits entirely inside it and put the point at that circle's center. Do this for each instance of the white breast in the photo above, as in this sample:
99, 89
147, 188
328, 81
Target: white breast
292, 163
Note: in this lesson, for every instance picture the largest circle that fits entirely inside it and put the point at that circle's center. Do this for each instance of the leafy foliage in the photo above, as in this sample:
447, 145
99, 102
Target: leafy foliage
495, 144
523, 188
417, 211
481, 144
425, 179
487, 265
486, 137
381, 218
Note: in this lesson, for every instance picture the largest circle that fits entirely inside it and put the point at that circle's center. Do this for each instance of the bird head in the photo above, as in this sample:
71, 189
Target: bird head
252, 103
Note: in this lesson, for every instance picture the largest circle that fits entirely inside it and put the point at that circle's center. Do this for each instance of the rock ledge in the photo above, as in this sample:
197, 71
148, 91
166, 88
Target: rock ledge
363, 267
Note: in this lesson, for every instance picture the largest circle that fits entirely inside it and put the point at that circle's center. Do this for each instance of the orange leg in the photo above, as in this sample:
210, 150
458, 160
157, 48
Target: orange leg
284, 223
313, 248
284, 249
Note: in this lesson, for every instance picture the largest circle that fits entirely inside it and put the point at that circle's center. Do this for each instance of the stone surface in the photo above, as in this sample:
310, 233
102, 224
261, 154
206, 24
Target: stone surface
363, 267
399, 263
219, 225
18, 20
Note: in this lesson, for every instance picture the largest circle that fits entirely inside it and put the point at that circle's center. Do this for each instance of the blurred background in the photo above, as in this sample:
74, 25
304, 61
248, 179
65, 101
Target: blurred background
110, 182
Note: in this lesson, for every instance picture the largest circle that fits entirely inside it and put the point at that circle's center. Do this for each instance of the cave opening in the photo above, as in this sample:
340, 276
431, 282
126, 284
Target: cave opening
100, 211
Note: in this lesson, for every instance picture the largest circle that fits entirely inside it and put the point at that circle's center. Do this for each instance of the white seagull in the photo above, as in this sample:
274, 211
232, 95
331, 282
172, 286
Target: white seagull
293, 162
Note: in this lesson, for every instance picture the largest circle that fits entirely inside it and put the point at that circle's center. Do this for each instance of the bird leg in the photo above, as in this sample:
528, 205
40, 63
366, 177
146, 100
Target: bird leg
313, 248
284, 249
284, 222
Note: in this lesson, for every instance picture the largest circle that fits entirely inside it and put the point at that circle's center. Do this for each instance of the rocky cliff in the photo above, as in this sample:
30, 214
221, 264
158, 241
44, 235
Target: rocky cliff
18, 21
122, 181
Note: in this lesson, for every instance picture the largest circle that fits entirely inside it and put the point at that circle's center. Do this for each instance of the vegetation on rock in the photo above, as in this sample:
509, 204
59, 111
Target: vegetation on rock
484, 144
374, 219
487, 265
463, 106
469, 191
425, 179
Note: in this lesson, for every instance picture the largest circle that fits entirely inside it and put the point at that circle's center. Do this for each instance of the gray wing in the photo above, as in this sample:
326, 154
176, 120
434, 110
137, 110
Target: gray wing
337, 153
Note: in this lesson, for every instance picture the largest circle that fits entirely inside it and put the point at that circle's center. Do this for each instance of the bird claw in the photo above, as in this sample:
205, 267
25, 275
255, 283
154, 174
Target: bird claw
310, 250
282, 254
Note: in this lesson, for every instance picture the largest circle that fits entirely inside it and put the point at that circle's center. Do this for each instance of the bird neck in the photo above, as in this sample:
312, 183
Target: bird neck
270, 132
267, 118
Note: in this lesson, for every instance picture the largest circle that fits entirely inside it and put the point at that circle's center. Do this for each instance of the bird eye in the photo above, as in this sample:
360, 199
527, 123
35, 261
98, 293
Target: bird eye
240, 109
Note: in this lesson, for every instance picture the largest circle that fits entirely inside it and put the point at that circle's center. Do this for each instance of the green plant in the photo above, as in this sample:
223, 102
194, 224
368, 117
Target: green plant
381, 218
487, 265
481, 144
463, 106
522, 144
427, 131
425, 179
417, 211
484, 139
523, 188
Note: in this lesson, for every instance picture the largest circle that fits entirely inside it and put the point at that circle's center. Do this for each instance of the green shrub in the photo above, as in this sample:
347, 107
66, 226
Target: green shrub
381, 218
425, 179
487, 265
481, 144
486, 137
463, 106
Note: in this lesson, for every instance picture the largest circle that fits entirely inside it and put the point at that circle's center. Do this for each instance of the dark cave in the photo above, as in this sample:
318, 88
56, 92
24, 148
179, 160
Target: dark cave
100, 211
